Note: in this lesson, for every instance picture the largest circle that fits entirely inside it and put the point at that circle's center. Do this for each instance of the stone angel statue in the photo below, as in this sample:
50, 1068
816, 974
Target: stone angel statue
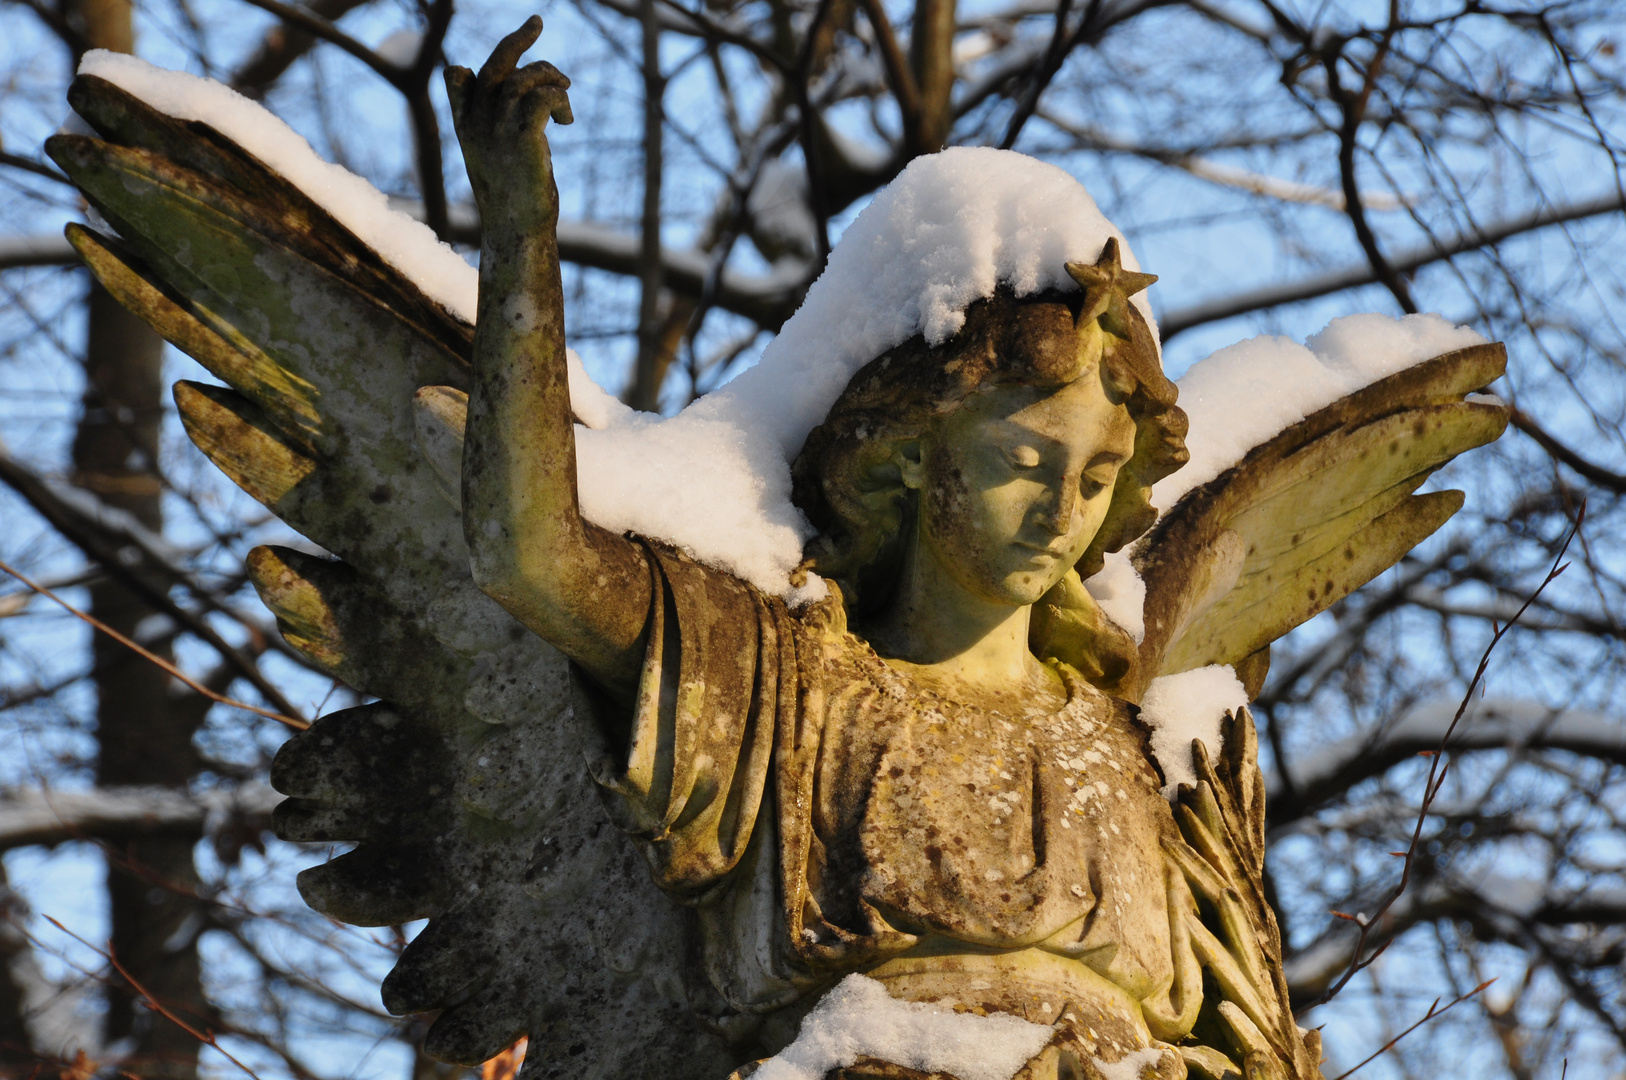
655, 800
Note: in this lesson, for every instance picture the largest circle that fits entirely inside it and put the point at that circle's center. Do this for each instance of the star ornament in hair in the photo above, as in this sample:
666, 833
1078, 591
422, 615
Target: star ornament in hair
1107, 289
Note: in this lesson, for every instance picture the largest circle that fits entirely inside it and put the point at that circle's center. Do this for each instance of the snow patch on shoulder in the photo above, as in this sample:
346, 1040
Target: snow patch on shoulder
1247, 393
860, 1019
1187, 706
406, 243
1119, 590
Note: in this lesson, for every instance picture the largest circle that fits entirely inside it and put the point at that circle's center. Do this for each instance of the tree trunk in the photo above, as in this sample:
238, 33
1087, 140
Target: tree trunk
15, 1059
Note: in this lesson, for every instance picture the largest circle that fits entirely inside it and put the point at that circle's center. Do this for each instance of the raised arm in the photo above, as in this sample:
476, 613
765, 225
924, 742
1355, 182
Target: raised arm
582, 588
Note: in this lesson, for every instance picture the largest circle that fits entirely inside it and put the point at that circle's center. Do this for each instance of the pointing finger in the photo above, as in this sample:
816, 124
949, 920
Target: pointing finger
510, 49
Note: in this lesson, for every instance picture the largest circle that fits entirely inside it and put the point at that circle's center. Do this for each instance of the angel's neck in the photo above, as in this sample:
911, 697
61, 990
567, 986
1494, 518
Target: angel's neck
954, 637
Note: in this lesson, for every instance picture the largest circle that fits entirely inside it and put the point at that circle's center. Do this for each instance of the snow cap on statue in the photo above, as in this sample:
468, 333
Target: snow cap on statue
949, 230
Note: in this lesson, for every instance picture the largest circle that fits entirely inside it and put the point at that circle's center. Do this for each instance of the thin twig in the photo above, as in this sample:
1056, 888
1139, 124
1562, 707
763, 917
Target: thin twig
1405, 262
1597, 474
104, 542
808, 127
206, 1037
1436, 779
293, 722
1054, 54
28, 164
1353, 105
1434, 1010
898, 75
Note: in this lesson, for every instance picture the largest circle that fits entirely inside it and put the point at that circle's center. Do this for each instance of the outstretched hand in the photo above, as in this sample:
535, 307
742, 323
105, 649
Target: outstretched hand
501, 114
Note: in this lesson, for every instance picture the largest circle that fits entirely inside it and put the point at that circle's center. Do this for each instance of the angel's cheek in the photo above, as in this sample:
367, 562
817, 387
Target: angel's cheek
963, 521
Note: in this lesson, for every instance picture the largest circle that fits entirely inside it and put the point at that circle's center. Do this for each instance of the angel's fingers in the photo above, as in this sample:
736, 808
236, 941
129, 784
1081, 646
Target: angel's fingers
508, 51
549, 99
544, 72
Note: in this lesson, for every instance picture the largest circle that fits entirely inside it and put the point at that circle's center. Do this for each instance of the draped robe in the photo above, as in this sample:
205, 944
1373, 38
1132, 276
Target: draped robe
824, 813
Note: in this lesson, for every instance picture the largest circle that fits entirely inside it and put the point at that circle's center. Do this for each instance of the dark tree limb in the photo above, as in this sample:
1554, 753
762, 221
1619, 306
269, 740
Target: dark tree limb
1352, 105
130, 562
1597, 474
648, 371
900, 79
1272, 296
282, 45
309, 21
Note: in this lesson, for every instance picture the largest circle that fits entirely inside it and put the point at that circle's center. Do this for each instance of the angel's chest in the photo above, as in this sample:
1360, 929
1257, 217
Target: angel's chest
977, 804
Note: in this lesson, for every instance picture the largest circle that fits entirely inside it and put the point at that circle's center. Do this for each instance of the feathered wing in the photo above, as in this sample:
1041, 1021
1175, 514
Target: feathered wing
1303, 520
1309, 516
464, 786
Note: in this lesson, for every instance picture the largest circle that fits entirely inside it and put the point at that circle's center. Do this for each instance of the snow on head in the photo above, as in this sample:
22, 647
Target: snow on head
1187, 706
860, 1019
953, 226
1249, 392
407, 244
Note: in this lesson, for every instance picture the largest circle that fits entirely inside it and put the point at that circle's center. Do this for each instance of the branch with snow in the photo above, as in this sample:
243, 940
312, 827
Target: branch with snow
1500, 907
1403, 262
144, 562
47, 816
1490, 724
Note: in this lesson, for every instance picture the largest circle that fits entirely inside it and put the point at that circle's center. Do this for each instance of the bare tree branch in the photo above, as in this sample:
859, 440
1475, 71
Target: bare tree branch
1597, 474
282, 45
1325, 284
46, 816
136, 560
1326, 775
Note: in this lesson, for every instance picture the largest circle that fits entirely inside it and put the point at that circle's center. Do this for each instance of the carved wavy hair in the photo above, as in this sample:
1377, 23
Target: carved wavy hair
847, 483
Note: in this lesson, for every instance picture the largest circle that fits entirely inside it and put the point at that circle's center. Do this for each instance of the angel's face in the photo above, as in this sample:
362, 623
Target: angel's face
1015, 483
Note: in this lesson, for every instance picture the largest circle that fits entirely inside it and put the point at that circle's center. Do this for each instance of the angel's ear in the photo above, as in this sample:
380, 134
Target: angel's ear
906, 458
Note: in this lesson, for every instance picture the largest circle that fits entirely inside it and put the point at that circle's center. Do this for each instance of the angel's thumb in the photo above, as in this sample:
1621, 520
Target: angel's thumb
458, 80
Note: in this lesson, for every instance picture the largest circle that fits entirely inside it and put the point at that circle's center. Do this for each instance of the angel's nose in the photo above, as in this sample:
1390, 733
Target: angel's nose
1056, 513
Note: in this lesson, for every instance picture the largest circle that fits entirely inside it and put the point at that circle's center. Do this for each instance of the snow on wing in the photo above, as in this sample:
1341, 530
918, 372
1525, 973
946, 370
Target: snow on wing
464, 787
1309, 516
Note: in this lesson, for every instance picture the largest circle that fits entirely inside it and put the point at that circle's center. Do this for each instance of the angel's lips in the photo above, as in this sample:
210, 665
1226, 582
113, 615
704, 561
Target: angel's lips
1041, 552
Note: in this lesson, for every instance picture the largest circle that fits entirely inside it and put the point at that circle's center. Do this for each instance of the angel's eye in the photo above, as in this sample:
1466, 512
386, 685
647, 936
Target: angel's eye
1022, 457
1092, 485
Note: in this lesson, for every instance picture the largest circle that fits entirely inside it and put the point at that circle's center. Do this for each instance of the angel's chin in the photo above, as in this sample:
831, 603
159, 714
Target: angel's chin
1022, 588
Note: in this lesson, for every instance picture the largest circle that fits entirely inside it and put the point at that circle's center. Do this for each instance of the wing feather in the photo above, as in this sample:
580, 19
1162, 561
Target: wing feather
226, 354
1311, 515
464, 788
285, 212
243, 441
